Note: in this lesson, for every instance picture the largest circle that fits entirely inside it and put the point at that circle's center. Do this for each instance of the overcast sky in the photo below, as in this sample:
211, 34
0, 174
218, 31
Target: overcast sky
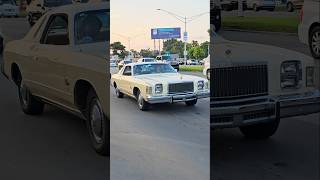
135, 18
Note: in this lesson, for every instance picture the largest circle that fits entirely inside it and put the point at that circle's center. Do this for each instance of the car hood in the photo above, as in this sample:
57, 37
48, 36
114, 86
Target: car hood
231, 53
95, 49
166, 78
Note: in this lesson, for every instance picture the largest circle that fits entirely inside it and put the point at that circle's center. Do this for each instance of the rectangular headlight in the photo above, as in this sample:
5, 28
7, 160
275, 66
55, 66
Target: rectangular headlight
158, 88
290, 74
310, 76
200, 85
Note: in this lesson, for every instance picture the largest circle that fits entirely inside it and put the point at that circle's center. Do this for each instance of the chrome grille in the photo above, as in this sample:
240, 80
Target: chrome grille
184, 87
239, 81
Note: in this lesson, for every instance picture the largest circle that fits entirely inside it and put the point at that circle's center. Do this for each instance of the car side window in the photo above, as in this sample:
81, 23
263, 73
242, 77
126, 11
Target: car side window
56, 32
127, 71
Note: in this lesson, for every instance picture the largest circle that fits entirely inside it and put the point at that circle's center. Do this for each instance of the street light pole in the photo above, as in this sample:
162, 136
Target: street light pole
185, 20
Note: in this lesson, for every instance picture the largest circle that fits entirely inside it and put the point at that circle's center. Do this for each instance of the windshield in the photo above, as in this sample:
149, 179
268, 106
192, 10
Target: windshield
126, 62
112, 61
56, 3
92, 27
142, 69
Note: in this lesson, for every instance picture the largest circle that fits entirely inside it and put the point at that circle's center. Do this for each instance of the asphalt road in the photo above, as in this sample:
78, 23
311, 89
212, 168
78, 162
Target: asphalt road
291, 154
53, 146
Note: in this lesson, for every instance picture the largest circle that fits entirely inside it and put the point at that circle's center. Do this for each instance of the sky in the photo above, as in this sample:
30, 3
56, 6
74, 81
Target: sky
136, 18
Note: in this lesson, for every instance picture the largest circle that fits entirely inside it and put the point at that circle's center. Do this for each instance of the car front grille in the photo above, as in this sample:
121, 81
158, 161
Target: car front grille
185, 87
239, 82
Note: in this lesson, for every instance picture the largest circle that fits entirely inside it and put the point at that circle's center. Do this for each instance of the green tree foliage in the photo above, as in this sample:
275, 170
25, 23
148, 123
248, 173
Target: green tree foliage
146, 53
118, 49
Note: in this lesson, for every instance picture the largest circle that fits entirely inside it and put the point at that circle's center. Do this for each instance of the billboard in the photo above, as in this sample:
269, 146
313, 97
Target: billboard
166, 33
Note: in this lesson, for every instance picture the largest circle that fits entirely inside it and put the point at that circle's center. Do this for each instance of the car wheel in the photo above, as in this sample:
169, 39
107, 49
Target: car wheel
119, 94
1, 45
208, 74
192, 102
290, 7
314, 42
29, 104
98, 125
260, 131
142, 104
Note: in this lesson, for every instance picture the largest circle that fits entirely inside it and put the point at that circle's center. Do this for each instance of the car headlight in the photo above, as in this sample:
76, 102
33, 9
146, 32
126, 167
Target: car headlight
158, 88
291, 74
310, 76
200, 85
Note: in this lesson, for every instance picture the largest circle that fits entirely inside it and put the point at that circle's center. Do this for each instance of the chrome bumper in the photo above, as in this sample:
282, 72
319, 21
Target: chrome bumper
174, 98
299, 105
257, 110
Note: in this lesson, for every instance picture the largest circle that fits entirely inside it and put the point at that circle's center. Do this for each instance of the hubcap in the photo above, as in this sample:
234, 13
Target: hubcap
140, 99
315, 43
24, 95
96, 119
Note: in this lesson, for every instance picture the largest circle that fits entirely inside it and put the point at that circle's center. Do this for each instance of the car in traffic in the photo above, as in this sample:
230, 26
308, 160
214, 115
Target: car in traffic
146, 60
206, 67
309, 27
192, 62
63, 61
294, 5
258, 5
157, 82
36, 8
253, 92
229, 5
169, 60
9, 8
124, 62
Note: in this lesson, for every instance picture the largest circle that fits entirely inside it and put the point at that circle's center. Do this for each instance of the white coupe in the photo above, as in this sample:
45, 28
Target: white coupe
156, 82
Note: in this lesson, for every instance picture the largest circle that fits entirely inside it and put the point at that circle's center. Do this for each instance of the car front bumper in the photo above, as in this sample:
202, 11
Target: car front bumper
259, 110
175, 98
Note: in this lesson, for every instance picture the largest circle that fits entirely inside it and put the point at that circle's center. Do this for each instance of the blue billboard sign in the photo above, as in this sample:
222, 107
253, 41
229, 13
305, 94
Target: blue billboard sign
166, 33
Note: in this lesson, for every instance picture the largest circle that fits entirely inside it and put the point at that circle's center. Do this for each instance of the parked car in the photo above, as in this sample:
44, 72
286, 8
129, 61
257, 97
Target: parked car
52, 65
309, 27
229, 5
293, 5
257, 5
253, 92
206, 67
146, 60
124, 62
169, 60
36, 8
9, 8
156, 82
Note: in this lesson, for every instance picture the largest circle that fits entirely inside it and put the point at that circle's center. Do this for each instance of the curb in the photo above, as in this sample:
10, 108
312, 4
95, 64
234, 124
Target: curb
264, 32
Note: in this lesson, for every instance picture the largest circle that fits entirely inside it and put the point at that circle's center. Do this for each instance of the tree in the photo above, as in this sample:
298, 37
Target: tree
146, 53
173, 46
118, 49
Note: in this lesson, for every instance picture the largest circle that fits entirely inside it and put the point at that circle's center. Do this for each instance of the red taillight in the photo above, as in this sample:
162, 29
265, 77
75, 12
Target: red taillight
301, 14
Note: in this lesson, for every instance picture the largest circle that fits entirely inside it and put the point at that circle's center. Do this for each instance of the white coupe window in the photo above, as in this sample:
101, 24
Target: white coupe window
152, 69
57, 31
127, 71
92, 27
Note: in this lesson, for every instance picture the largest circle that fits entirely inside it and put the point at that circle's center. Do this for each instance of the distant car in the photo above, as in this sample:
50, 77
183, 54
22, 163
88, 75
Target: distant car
229, 5
123, 62
192, 62
257, 5
146, 60
294, 4
169, 60
9, 8
206, 67
156, 82
113, 63
309, 27
36, 8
